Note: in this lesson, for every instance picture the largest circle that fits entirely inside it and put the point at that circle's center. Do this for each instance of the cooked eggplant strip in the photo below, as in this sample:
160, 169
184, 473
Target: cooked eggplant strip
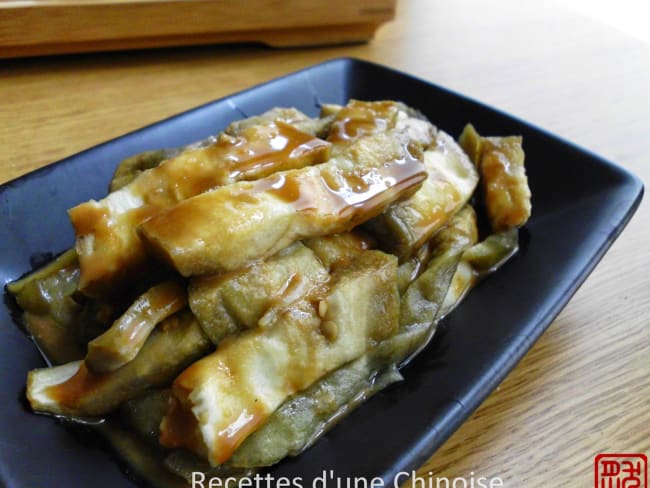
330, 109
49, 309
358, 119
422, 299
253, 296
487, 256
49, 291
406, 226
500, 161
225, 304
55, 341
72, 390
107, 243
130, 168
230, 393
59, 323
300, 421
126, 337
231, 226
64, 260
287, 115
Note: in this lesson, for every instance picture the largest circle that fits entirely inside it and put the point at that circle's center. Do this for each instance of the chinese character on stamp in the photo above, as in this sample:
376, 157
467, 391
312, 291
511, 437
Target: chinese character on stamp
621, 471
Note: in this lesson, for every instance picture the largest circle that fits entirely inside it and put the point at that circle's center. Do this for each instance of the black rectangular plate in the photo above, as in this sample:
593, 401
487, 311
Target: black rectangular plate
580, 205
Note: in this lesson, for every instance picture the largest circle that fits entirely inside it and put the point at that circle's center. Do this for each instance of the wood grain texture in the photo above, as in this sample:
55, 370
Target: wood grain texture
584, 387
46, 27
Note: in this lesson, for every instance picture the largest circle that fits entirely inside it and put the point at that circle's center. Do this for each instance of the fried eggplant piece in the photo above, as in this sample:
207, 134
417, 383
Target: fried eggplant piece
50, 312
358, 119
232, 226
287, 115
404, 227
500, 161
108, 245
65, 260
230, 393
225, 304
124, 339
330, 109
301, 420
421, 302
73, 390
488, 255
130, 168
479, 261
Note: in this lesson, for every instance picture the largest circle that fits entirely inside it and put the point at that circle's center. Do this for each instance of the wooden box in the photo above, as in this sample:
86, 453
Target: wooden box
36, 27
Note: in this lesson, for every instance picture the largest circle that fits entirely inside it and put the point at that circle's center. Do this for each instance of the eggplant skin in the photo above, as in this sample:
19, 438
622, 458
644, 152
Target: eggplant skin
423, 297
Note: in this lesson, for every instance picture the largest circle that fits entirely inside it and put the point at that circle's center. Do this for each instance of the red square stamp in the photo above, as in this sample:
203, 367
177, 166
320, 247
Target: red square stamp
621, 471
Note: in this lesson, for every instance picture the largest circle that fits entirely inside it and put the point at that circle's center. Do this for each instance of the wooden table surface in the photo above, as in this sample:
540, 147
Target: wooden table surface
584, 388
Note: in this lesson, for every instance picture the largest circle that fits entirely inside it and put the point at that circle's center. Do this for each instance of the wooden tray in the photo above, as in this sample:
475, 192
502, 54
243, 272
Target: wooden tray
36, 27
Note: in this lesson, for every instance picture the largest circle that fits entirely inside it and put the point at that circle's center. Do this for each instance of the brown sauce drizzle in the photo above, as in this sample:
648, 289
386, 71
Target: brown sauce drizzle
260, 151
230, 438
87, 218
362, 118
356, 196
